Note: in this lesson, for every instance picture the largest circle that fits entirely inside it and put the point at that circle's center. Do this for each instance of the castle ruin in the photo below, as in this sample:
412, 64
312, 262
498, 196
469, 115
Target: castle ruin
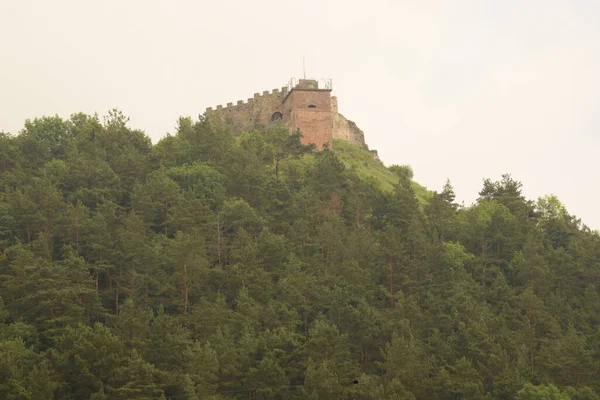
302, 105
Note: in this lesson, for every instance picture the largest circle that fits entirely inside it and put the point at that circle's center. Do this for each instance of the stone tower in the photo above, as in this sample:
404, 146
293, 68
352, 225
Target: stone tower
308, 108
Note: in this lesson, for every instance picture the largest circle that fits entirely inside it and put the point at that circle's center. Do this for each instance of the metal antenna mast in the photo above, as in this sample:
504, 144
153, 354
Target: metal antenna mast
304, 67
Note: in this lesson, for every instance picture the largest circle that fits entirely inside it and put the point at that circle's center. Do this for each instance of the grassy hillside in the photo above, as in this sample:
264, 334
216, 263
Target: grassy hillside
362, 162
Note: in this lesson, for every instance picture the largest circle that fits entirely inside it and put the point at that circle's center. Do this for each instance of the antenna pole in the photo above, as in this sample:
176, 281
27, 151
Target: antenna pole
304, 67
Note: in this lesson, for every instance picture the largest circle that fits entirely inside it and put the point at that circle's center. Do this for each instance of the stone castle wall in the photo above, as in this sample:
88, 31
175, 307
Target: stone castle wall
314, 111
252, 113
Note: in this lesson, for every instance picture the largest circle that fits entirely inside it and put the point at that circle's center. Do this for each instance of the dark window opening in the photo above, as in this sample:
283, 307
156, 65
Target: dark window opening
276, 116
312, 106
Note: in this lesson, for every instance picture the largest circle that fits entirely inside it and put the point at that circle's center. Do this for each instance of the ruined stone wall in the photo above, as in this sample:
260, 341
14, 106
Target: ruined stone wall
344, 128
355, 136
254, 112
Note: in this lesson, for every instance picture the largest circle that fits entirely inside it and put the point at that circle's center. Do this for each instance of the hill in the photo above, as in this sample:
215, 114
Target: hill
215, 265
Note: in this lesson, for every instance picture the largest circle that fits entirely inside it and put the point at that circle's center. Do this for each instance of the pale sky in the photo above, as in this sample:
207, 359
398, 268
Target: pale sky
464, 90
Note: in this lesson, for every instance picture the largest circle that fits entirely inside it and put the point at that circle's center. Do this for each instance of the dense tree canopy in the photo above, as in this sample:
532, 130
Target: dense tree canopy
218, 266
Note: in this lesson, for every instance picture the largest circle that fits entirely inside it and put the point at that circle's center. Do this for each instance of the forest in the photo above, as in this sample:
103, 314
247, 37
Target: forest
212, 265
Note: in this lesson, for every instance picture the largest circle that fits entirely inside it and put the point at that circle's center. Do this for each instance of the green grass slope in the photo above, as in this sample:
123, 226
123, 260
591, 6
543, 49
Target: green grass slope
362, 162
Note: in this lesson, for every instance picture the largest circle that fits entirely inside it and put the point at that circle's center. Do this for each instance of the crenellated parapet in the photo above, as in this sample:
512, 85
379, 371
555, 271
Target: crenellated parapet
258, 97
258, 110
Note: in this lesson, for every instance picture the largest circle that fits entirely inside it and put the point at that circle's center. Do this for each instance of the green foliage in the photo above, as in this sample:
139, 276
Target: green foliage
362, 163
541, 392
221, 266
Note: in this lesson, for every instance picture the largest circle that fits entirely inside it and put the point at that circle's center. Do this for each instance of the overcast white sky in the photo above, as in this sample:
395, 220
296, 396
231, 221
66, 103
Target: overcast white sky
457, 89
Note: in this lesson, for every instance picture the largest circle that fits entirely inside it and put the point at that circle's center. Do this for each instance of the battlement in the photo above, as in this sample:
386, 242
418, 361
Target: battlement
257, 97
